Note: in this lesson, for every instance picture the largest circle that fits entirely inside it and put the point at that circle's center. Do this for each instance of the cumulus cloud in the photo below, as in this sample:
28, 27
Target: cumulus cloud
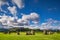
19, 3
25, 17
34, 27
12, 9
35, 22
23, 22
3, 2
50, 24
34, 17
6, 18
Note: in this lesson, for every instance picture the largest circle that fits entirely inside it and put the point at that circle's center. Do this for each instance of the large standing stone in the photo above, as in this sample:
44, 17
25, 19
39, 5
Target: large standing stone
45, 32
32, 32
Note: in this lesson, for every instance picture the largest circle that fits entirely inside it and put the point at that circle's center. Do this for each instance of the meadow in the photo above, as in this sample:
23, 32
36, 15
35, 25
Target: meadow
23, 36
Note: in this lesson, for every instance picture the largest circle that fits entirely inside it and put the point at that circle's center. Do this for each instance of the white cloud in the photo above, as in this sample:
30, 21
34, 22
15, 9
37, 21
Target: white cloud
12, 10
35, 22
50, 24
34, 17
10, 18
3, 2
25, 17
23, 22
19, 3
34, 26
5, 18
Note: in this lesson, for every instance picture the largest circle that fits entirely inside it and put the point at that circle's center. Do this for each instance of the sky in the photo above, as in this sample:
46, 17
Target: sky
42, 9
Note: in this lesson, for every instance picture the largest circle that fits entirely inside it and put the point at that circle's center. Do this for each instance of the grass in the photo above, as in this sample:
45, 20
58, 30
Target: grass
22, 36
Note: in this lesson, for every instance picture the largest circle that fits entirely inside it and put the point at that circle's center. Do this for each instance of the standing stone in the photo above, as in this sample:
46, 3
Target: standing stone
45, 32
9, 32
32, 32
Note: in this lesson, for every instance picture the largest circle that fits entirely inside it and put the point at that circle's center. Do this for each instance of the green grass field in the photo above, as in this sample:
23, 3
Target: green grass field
22, 36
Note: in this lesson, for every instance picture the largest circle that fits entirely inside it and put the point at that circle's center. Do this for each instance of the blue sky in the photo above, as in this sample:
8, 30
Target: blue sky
41, 13
45, 8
